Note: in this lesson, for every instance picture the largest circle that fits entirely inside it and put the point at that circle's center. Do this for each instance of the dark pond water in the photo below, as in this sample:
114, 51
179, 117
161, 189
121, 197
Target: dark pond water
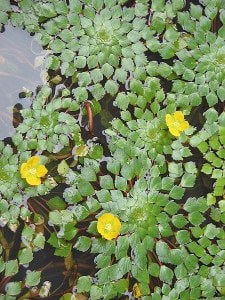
20, 71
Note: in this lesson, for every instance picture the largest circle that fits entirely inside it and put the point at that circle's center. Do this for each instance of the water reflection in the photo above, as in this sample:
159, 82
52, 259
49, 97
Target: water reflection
20, 71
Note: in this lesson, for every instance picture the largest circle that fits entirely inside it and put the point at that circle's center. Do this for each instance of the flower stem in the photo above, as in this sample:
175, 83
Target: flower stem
87, 106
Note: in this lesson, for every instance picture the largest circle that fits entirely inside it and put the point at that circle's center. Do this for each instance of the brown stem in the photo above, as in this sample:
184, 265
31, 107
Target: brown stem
87, 106
4, 281
156, 258
216, 24
84, 266
169, 242
130, 183
31, 208
39, 203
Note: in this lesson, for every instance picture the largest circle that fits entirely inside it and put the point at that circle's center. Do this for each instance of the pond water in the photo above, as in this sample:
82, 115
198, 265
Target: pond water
20, 71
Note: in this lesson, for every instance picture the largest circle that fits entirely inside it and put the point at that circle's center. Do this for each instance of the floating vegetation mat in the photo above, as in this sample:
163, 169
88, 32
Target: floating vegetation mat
112, 180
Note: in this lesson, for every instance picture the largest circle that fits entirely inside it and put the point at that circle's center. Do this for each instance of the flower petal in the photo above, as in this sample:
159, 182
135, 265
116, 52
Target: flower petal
109, 235
179, 116
24, 170
33, 180
41, 171
33, 161
184, 125
117, 224
174, 131
169, 120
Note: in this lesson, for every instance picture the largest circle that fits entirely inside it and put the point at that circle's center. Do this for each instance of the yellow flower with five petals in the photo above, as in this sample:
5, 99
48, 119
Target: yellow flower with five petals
176, 123
108, 226
32, 170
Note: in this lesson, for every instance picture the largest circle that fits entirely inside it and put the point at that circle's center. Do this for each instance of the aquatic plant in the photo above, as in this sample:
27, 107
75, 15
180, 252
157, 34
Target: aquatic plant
145, 201
47, 126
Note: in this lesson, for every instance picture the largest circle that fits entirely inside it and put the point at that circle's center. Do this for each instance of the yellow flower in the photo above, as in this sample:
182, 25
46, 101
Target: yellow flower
108, 226
32, 170
176, 123
136, 291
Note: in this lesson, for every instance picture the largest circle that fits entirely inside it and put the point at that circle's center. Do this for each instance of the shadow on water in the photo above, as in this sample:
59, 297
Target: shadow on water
20, 72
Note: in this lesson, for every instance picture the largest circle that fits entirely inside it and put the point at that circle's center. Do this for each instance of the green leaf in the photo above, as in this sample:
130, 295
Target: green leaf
55, 217
96, 75
81, 150
154, 269
84, 284
222, 205
221, 93
39, 241
196, 11
183, 237
179, 221
124, 265
158, 5
97, 152
166, 274
111, 87
64, 250
107, 70
80, 62
13, 288
211, 231
80, 94
141, 275
85, 188
3, 18
106, 182
32, 278
211, 99
83, 243
122, 101
63, 168
98, 91
175, 169
121, 285
67, 296
56, 203
171, 34
57, 46
46, 10
176, 192
188, 180
25, 256
11, 267
121, 183
162, 250
95, 292
5, 5
196, 218
121, 247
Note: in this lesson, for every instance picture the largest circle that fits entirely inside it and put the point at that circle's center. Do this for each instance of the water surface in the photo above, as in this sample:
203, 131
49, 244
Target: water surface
20, 71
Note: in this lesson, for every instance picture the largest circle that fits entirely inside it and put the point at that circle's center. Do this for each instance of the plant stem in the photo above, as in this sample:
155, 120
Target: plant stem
87, 106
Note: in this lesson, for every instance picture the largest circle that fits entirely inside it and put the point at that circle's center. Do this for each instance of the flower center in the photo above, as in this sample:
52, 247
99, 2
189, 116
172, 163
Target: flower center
33, 171
176, 124
108, 227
